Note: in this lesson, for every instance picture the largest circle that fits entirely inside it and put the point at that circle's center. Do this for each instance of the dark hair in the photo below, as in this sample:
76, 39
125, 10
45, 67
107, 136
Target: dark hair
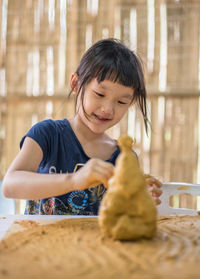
110, 59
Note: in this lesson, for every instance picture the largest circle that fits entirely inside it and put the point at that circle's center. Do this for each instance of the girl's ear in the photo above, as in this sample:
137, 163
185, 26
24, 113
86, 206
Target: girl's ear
74, 83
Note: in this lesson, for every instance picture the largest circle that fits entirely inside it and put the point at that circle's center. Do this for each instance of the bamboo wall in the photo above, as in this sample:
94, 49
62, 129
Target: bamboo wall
41, 42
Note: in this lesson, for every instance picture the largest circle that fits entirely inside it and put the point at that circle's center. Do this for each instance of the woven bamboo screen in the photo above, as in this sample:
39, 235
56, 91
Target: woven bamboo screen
41, 42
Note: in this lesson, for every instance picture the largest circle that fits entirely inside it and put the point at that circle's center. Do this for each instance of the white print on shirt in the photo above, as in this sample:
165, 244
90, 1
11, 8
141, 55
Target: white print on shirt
78, 166
52, 169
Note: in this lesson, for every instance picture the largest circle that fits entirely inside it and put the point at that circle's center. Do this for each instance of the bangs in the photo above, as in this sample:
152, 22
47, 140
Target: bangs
114, 75
116, 70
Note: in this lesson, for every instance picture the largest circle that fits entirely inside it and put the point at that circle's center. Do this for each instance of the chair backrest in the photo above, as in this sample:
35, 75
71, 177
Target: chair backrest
177, 188
7, 206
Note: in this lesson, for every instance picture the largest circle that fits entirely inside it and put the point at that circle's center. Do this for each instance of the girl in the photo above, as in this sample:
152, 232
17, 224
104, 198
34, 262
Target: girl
64, 166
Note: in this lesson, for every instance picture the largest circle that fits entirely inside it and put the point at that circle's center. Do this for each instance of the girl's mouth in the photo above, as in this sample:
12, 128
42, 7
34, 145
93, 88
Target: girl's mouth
101, 118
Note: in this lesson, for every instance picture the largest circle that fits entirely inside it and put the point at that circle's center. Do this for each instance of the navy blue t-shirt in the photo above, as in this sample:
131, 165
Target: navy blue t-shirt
62, 153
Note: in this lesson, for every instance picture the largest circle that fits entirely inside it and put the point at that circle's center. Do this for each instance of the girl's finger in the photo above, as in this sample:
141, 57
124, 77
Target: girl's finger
151, 180
157, 201
156, 192
107, 169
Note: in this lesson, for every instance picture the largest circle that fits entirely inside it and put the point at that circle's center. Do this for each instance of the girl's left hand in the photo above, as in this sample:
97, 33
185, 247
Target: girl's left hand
154, 187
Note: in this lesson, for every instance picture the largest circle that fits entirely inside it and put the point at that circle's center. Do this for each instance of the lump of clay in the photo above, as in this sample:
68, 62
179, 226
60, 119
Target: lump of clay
127, 211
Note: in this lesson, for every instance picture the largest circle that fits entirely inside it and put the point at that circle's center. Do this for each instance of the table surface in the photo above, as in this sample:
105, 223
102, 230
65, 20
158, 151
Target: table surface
7, 220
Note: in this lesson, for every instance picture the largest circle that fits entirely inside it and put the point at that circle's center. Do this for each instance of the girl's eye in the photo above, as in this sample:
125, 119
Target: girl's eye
122, 103
98, 94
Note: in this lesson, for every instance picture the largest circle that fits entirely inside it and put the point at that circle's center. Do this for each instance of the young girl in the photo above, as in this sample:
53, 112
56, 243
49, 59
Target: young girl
64, 166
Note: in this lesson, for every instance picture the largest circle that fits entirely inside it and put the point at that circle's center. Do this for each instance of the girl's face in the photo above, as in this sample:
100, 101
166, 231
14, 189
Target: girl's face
105, 104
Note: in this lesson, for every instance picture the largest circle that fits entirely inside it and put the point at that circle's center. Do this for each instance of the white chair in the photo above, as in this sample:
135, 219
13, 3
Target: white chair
7, 206
177, 188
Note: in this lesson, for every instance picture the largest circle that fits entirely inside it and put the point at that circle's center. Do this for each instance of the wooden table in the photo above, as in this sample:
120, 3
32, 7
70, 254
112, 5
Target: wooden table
75, 249
7, 220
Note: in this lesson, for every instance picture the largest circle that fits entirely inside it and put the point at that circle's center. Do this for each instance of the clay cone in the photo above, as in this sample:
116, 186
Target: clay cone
127, 211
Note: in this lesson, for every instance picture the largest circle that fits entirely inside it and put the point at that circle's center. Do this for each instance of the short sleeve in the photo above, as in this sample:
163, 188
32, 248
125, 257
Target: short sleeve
42, 133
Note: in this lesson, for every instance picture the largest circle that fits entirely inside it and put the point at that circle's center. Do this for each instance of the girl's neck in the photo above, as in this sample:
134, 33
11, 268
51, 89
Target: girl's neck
95, 145
82, 131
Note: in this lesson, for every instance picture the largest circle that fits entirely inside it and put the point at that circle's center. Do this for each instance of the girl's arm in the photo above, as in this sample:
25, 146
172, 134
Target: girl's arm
22, 180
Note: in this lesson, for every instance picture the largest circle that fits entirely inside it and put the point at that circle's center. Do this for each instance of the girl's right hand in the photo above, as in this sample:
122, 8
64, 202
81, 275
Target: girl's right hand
94, 172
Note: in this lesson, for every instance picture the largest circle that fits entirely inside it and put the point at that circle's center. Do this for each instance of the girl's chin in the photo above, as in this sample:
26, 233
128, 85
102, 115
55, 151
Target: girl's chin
97, 128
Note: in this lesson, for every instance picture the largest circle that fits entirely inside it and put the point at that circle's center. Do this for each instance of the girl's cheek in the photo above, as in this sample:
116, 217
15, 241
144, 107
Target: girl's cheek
122, 110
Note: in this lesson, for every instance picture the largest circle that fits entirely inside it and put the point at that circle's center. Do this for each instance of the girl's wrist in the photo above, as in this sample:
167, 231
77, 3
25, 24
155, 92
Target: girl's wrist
70, 182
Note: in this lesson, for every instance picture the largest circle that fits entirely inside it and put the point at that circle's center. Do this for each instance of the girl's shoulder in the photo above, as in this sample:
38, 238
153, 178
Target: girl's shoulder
52, 123
45, 131
51, 126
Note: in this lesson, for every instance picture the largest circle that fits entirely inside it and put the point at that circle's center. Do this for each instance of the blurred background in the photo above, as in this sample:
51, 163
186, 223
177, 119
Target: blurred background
41, 43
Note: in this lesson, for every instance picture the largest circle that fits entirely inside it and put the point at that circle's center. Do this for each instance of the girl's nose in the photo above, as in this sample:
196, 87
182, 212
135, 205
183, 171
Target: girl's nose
107, 110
